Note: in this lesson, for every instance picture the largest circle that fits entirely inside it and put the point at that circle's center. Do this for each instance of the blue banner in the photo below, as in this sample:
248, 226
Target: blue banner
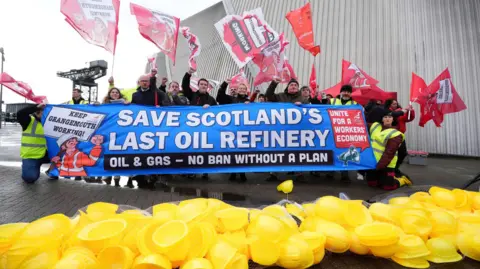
117, 139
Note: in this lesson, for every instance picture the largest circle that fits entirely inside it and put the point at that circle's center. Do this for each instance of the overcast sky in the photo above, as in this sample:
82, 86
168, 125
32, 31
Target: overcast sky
38, 43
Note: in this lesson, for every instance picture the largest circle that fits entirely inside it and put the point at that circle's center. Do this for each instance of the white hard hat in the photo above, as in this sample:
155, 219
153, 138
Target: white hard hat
65, 138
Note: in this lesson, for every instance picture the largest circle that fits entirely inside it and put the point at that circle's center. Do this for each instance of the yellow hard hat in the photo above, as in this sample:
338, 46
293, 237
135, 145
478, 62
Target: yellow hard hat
442, 251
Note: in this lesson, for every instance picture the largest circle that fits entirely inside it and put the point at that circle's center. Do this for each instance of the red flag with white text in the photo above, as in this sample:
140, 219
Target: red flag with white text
288, 73
353, 75
313, 81
270, 61
245, 35
193, 45
436, 100
159, 28
95, 20
21, 88
301, 21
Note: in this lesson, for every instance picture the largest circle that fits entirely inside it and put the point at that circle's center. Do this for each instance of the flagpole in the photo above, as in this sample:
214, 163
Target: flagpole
113, 64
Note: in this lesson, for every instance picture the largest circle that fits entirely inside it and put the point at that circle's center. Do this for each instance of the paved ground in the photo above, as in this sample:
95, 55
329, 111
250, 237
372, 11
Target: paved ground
22, 202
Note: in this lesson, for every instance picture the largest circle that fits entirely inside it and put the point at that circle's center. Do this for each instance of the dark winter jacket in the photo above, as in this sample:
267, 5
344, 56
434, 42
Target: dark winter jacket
151, 97
196, 98
224, 99
284, 97
23, 116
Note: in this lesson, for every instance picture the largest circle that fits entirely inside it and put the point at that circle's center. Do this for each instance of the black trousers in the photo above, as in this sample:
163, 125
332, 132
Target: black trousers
384, 178
402, 154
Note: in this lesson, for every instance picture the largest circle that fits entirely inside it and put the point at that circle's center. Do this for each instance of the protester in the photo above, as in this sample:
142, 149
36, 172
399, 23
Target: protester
126, 93
262, 98
77, 98
401, 123
200, 97
240, 97
148, 94
385, 142
224, 99
291, 93
33, 150
174, 95
114, 96
306, 93
345, 98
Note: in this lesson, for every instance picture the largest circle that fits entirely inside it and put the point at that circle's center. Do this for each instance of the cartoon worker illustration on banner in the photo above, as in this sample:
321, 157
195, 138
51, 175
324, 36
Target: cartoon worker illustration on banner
70, 161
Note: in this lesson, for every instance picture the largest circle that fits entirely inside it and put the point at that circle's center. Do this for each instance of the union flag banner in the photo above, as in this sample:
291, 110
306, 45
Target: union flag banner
245, 35
21, 88
287, 73
437, 99
193, 45
301, 21
270, 61
353, 75
95, 20
159, 28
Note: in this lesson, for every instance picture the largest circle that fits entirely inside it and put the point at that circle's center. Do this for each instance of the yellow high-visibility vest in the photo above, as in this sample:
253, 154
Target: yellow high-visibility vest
34, 144
338, 102
379, 141
83, 102
128, 93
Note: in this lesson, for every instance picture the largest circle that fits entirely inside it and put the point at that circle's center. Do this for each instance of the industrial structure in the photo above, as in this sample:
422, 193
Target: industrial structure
388, 39
84, 79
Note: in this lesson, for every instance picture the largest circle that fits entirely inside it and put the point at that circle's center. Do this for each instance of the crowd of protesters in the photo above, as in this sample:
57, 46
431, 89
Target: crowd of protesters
387, 122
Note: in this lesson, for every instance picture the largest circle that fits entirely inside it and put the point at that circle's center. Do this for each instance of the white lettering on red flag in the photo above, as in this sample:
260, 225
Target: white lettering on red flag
245, 35
193, 45
159, 28
353, 75
270, 61
95, 20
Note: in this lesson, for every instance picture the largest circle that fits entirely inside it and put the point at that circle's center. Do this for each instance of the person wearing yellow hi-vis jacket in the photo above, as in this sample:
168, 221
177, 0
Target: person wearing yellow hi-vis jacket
33, 150
386, 141
77, 98
345, 99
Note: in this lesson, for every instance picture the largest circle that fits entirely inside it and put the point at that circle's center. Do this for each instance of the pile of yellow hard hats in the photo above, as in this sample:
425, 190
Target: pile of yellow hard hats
210, 234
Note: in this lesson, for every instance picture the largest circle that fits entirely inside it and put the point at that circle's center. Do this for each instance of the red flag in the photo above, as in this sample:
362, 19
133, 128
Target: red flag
313, 81
194, 46
246, 35
288, 72
417, 89
95, 21
238, 79
301, 22
21, 88
159, 28
353, 75
270, 61
436, 100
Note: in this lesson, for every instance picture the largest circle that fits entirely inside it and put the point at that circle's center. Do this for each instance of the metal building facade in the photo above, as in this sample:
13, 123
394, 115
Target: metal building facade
389, 39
